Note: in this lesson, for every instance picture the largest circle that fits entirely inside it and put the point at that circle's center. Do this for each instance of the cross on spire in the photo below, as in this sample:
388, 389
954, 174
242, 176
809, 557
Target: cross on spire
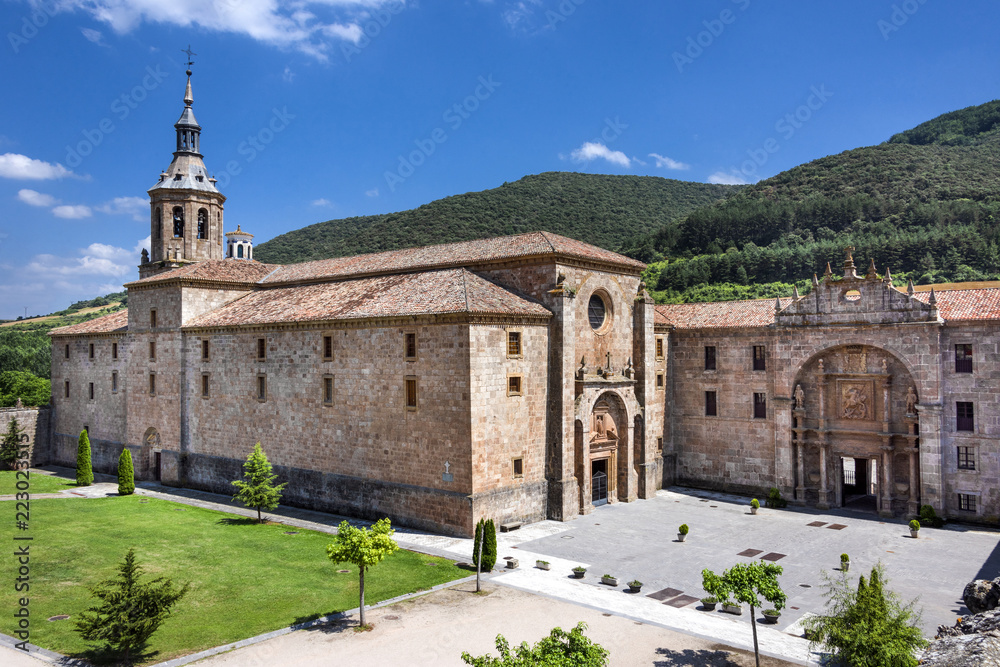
190, 55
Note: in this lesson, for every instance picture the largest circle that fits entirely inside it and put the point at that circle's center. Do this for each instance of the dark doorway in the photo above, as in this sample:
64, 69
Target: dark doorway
156, 466
599, 482
858, 489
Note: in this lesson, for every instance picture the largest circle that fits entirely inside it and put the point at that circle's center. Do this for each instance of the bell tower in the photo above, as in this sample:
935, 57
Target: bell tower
185, 206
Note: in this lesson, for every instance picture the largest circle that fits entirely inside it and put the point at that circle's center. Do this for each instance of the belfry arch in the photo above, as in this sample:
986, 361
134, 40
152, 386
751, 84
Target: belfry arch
855, 431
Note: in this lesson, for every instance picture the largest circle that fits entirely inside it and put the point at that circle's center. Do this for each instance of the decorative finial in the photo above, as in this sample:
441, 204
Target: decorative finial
888, 277
909, 287
815, 281
872, 273
795, 292
777, 303
933, 299
850, 258
828, 272
188, 96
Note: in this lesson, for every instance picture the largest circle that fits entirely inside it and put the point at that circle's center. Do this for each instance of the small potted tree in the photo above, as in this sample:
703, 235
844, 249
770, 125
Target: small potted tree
579, 571
543, 564
634, 586
845, 563
682, 532
609, 579
914, 528
754, 506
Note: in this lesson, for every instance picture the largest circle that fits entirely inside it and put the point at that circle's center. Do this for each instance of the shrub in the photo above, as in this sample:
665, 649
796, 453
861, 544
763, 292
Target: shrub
711, 599
84, 470
635, 583
772, 612
487, 529
126, 474
559, 648
914, 525
683, 530
928, 517
10, 450
844, 558
755, 504
774, 499
579, 568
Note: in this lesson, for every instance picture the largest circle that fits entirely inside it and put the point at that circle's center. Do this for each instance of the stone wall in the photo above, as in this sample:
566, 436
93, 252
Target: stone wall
36, 424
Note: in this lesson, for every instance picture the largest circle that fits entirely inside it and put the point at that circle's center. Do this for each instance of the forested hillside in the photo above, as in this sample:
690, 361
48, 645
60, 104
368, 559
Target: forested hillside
925, 204
608, 211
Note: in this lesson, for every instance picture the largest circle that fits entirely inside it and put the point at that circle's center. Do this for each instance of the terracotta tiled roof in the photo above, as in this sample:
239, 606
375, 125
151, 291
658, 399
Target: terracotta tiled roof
426, 293
215, 270
965, 304
115, 322
721, 314
466, 253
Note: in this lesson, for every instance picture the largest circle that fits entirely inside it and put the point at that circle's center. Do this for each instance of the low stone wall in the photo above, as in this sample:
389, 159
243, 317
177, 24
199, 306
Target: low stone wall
103, 453
524, 502
35, 424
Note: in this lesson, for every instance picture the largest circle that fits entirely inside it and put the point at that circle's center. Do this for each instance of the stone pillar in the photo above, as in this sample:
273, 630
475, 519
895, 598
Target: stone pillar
585, 490
800, 489
628, 480
784, 454
887, 477
824, 492
931, 473
913, 506
563, 486
649, 462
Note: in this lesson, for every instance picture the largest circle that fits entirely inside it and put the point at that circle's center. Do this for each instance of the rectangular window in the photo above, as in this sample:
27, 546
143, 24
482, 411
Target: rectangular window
411, 346
513, 343
513, 385
709, 357
67, 350
659, 348
711, 408
114, 350
114, 382
262, 388
91, 390
204, 385
261, 349
759, 406
204, 349
152, 318
966, 502
659, 444
327, 348
964, 414
328, 390
518, 467
91, 350
966, 458
152, 384
963, 358
759, 358
411, 393
659, 380
66, 389
152, 350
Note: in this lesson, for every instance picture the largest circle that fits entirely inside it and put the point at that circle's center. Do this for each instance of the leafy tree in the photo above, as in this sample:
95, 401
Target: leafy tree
259, 489
10, 449
868, 626
363, 548
33, 391
126, 474
129, 611
559, 649
747, 582
84, 470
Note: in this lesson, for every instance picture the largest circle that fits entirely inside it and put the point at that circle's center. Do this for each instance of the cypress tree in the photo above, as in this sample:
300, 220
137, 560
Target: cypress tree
126, 474
480, 529
84, 471
489, 546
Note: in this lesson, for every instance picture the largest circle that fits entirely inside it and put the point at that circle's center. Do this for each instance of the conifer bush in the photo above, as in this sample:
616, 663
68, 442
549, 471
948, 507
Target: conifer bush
84, 470
489, 545
259, 490
126, 474
10, 449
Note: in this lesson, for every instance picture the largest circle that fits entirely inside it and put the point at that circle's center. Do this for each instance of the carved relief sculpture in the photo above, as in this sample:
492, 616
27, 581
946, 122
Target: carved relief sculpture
855, 360
855, 401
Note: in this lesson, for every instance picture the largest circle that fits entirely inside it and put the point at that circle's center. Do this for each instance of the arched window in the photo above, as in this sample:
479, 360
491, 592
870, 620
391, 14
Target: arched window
202, 223
158, 225
239, 251
178, 221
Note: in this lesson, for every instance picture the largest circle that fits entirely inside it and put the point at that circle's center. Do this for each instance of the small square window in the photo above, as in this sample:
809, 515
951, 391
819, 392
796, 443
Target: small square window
114, 350
327, 348
659, 348
67, 351
965, 416
91, 350
709, 357
91, 390
204, 349
966, 458
711, 406
66, 389
204, 385
261, 349
513, 343
966, 502
411, 393
114, 382
659, 380
759, 358
152, 350
518, 467
152, 384
963, 358
262, 388
411, 346
513, 385
152, 318
328, 390
759, 406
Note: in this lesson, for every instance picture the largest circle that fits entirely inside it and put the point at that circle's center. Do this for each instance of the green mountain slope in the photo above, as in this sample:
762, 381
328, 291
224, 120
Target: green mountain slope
608, 211
926, 203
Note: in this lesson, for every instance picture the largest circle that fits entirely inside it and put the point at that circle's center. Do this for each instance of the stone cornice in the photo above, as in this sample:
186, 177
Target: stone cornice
381, 322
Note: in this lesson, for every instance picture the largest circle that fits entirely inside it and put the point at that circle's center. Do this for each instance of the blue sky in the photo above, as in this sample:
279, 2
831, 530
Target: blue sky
321, 109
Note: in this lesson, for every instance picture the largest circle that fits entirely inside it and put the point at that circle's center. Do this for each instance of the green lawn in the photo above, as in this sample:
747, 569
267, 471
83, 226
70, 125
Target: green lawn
37, 482
246, 578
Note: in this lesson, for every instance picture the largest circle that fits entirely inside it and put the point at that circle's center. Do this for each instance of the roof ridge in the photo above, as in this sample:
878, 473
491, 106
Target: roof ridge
545, 235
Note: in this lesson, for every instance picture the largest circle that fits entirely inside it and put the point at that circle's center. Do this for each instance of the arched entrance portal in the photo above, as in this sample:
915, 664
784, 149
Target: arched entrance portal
855, 432
606, 436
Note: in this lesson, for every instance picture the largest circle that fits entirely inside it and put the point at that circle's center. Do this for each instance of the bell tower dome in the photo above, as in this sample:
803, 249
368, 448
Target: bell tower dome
185, 206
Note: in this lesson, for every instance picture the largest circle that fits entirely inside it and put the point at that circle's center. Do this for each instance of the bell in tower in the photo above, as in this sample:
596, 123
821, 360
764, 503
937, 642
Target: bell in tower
185, 206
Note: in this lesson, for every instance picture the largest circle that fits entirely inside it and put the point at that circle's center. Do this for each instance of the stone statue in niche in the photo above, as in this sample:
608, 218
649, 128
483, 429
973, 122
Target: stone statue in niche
800, 397
821, 370
885, 367
855, 401
604, 426
911, 402
153, 439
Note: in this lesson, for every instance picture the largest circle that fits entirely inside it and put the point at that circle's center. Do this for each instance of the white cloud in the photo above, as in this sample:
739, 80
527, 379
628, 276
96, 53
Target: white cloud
137, 207
72, 212
22, 167
372, 193
321, 202
521, 15
310, 26
664, 162
33, 198
727, 178
288, 75
591, 151
94, 36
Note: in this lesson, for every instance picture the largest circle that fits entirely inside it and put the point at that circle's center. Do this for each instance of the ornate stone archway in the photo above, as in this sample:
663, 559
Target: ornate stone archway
605, 443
